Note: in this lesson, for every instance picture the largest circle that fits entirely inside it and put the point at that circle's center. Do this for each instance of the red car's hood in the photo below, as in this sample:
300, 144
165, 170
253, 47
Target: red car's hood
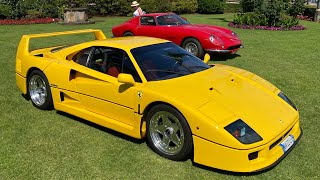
216, 30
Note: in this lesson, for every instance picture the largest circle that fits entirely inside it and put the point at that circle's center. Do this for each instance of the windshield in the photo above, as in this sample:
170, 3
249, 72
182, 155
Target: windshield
166, 61
171, 19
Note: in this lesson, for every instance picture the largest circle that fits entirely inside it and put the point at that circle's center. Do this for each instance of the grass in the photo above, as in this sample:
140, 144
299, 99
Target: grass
38, 144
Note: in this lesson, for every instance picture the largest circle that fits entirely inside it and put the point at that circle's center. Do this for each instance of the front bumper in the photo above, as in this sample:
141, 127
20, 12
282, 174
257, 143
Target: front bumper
225, 51
237, 160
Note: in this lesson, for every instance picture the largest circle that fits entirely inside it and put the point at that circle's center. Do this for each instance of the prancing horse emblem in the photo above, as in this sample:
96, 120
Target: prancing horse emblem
140, 94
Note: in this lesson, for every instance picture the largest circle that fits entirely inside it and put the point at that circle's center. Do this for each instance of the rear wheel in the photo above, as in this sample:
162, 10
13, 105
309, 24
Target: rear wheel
193, 46
168, 133
39, 90
128, 33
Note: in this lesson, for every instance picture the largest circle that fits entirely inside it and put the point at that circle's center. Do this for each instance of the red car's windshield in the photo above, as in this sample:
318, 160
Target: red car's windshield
171, 19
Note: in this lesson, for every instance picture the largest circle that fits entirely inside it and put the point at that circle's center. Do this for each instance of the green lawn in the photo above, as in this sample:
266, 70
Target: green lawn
38, 144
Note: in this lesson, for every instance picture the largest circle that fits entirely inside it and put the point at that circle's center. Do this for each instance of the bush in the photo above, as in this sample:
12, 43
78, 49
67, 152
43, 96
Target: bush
4, 11
254, 19
250, 5
211, 6
153, 6
177, 6
232, 8
183, 6
110, 7
296, 8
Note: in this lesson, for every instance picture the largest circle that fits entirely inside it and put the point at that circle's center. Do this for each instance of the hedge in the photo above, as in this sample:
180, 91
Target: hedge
211, 6
232, 8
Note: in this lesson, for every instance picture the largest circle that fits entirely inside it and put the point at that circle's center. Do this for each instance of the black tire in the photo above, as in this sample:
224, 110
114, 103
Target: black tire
168, 133
39, 90
128, 33
193, 46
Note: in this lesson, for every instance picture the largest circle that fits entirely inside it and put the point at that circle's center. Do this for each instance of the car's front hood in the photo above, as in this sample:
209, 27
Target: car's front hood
216, 30
226, 94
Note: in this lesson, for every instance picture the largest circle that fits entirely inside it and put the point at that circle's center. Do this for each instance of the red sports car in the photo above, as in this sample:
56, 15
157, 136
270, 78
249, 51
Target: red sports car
196, 39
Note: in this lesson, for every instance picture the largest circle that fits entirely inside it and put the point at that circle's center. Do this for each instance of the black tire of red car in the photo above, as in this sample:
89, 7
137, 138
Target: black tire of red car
39, 90
193, 46
128, 33
168, 133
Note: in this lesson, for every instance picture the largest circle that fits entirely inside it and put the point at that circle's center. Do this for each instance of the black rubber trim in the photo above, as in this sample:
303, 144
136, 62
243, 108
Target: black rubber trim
282, 157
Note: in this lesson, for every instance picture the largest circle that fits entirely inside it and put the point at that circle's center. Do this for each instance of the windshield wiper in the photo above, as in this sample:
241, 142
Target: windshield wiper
203, 67
166, 71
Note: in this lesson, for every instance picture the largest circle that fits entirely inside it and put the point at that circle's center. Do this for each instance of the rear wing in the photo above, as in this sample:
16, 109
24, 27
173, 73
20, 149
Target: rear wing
23, 47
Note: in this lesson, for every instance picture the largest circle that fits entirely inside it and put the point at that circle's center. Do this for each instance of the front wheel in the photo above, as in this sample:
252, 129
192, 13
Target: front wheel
39, 90
193, 46
168, 133
128, 33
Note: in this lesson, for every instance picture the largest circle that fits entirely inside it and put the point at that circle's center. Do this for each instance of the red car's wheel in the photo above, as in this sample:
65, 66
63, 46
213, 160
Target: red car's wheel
193, 46
128, 33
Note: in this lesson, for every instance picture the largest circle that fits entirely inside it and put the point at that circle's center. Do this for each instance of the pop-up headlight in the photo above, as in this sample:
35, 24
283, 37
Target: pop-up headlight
242, 132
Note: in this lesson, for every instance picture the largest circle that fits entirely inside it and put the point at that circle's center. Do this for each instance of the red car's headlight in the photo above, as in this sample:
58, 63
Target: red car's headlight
216, 40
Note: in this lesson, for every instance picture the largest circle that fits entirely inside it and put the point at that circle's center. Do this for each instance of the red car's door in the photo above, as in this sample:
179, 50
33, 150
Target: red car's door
147, 27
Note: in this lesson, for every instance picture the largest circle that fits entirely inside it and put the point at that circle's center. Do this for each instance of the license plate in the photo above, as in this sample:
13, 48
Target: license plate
287, 143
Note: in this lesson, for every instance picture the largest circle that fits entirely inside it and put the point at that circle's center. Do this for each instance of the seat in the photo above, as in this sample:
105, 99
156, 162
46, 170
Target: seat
113, 71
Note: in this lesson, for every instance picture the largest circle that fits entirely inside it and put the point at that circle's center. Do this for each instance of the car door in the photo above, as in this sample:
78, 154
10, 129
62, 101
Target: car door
97, 85
166, 30
147, 27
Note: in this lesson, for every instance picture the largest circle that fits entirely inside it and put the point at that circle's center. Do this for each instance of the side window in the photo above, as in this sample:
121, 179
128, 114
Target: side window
147, 20
110, 61
82, 57
119, 62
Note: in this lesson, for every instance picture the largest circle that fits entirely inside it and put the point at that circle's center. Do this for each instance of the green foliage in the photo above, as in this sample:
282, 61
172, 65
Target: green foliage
296, 8
153, 6
269, 13
232, 8
255, 19
250, 5
250, 18
183, 6
211, 6
111, 7
4, 11
177, 6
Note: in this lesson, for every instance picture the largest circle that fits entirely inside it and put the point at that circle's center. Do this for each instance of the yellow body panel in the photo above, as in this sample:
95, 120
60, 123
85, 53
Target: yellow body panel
209, 100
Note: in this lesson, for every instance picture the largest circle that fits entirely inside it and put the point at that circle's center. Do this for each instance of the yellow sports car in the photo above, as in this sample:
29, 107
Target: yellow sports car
221, 116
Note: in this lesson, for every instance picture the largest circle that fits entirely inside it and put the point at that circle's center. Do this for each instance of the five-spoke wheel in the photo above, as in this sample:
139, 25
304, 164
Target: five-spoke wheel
39, 90
168, 133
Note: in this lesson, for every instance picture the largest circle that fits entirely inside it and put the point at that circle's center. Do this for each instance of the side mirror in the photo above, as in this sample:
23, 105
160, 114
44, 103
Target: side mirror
206, 58
126, 78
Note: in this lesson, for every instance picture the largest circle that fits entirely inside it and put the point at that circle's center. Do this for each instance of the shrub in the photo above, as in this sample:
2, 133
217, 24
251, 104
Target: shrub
152, 6
250, 5
296, 8
177, 6
254, 19
110, 7
211, 6
232, 8
183, 6
4, 11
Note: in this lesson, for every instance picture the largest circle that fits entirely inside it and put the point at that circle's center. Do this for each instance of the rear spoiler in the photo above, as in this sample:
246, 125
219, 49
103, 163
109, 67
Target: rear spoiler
23, 47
